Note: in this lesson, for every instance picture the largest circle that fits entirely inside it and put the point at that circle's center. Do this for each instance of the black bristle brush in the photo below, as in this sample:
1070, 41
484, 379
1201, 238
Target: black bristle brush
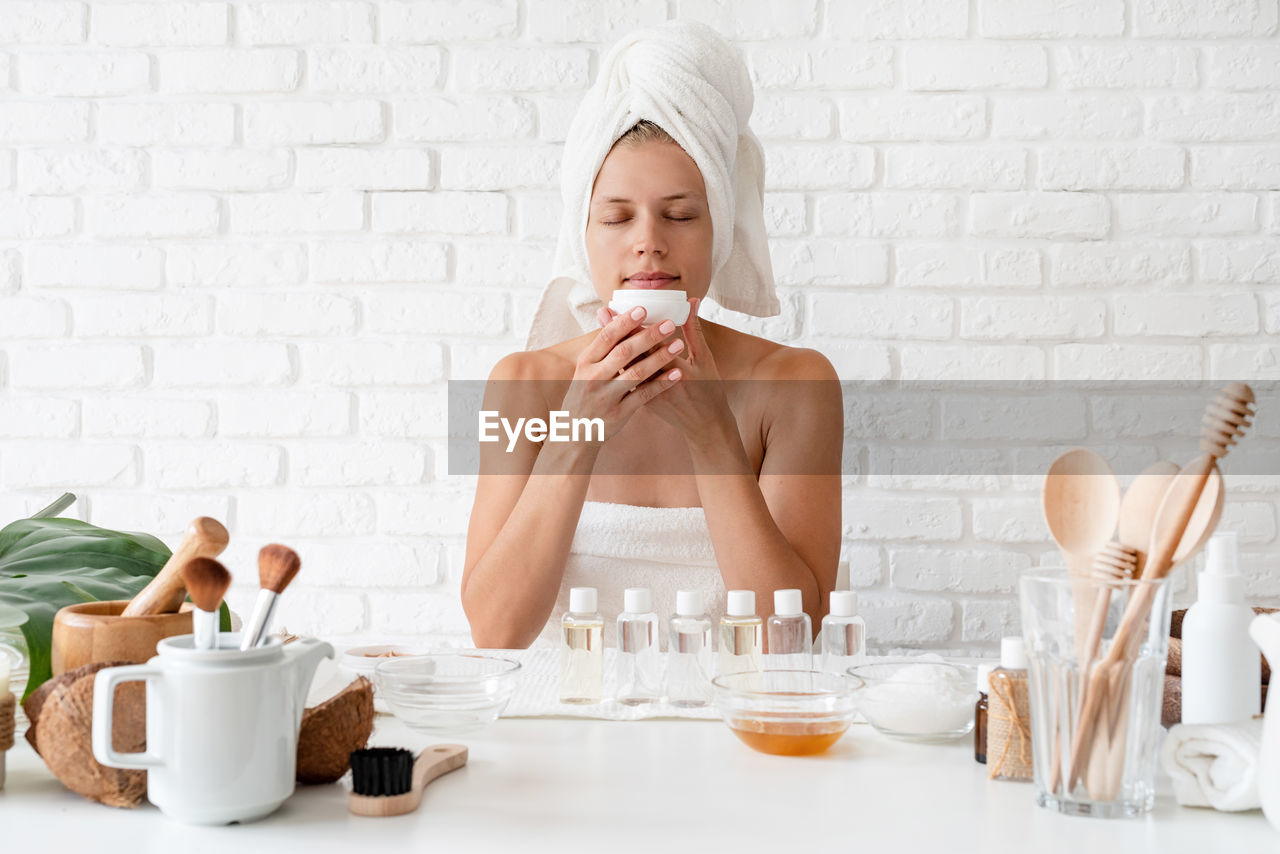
389, 781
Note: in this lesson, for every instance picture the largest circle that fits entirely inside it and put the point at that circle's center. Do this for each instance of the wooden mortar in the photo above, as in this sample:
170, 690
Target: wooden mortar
94, 631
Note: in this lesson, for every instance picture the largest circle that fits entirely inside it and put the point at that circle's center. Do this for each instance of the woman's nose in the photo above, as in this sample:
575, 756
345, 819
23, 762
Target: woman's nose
648, 238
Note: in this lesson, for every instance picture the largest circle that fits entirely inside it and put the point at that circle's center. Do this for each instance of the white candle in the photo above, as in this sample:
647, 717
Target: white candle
4, 674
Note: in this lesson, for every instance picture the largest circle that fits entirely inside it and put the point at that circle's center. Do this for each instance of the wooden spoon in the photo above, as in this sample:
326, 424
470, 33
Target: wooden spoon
1139, 506
1081, 501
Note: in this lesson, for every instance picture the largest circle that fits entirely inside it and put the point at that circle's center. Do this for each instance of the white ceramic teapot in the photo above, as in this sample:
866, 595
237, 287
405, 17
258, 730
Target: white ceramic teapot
222, 725
1265, 631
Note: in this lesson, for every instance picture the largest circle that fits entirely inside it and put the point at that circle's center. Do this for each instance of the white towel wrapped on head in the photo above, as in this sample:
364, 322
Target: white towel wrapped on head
1214, 765
693, 84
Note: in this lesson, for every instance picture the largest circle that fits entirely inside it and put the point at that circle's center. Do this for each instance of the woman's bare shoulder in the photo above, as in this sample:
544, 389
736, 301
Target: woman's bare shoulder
761, 359
549, 363
795, 363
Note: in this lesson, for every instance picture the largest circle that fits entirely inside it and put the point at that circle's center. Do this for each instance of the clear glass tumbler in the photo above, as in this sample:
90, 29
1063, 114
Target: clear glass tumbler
1096, 655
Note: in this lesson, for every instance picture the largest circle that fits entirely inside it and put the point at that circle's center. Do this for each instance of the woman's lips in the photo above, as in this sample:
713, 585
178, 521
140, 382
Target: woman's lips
651, 284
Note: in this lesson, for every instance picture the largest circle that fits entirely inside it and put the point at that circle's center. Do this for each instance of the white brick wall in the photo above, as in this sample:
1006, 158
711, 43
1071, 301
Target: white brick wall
244, 245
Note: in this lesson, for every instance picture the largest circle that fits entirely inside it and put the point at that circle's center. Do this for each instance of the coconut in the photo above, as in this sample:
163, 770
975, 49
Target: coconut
332, 730
61, 732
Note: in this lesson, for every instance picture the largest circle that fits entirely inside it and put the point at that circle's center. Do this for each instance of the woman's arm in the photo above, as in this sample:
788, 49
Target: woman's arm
782, 530
524, 517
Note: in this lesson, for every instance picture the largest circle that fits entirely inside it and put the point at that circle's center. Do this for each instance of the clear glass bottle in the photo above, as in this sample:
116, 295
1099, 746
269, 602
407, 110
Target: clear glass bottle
844, 634
639, 658
741, 635
790, 633
582, 649
689, 652
1009, 702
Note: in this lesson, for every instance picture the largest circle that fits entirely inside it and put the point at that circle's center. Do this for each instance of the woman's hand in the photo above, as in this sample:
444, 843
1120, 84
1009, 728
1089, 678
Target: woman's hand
623, 368
698, 407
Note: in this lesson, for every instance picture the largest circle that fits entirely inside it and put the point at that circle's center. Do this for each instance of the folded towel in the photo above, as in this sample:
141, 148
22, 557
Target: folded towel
694, 85
1215, 765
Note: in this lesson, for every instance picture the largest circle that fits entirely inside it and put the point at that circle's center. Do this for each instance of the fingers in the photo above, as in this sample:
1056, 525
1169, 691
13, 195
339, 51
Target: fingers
604, 315
649, 390
607, 338
633, 375
635, 346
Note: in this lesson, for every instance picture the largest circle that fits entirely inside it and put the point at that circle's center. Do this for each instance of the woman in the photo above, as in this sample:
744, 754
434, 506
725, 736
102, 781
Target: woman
662, 183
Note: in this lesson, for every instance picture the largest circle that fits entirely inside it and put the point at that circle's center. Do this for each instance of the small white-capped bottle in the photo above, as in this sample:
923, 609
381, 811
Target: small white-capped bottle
844, 634
790, 633
1221, 669
582, 649
639, 658
741, 635
689, 652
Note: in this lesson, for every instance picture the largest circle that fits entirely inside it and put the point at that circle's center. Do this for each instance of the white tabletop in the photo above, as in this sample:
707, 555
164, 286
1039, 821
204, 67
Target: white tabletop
652, 786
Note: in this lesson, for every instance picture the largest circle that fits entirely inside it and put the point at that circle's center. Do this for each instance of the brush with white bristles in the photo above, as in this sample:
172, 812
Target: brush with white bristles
277, 565
207, 582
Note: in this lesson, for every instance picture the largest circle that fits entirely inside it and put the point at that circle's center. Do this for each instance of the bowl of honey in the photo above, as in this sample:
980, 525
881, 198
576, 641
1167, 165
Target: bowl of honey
786, 712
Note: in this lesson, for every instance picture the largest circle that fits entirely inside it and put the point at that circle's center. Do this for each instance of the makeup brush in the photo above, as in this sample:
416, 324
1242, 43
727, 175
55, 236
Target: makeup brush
277, 565
207, 582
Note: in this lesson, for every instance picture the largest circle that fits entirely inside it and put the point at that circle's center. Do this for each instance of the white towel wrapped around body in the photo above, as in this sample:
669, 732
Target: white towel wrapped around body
617, 546
693, 84
1215, 765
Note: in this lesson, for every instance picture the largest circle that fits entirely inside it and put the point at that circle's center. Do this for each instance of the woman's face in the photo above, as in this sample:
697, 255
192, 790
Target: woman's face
648, 225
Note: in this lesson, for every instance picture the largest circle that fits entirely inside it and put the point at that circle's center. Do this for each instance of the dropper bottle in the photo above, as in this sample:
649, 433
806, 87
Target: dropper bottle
639, 660
582, 649
843, 634
689, 652
790, 633
741, 634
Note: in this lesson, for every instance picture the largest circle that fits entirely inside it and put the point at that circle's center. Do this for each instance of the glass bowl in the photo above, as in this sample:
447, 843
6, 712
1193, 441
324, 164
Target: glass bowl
447, 692
786, 712
916, 700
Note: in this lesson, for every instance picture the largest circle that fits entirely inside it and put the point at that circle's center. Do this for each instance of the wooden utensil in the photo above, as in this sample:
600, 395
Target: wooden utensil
90, 632
430, 764
204, 537
1139, 505
1116, 562
1225, 420
1081, 499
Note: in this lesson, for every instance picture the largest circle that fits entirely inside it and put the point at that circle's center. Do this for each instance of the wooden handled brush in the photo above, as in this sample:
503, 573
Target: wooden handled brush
385, 781
207, 580
277, 565
204, 537
1224, 422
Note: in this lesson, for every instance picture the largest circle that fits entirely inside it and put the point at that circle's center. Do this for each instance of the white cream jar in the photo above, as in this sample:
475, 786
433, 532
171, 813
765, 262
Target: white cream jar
659, 305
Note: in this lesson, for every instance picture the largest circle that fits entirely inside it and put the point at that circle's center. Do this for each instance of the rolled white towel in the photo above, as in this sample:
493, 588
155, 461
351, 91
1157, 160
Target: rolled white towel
1215, 765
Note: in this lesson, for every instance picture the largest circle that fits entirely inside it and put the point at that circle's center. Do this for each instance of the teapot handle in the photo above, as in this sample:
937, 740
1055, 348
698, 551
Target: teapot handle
104, 694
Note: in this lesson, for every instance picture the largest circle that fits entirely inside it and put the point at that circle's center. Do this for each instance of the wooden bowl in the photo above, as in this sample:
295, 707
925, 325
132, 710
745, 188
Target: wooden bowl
94, 631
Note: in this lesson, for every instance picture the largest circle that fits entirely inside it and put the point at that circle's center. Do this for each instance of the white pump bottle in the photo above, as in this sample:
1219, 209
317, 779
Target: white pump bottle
1221, 670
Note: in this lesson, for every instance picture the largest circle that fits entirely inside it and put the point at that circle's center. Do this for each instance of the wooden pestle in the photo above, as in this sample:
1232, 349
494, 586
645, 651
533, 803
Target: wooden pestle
1224, 421
204, 537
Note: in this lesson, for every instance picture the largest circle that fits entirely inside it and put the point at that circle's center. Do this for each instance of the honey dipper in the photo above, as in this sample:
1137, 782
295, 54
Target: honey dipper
1225, 421
1115, 562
